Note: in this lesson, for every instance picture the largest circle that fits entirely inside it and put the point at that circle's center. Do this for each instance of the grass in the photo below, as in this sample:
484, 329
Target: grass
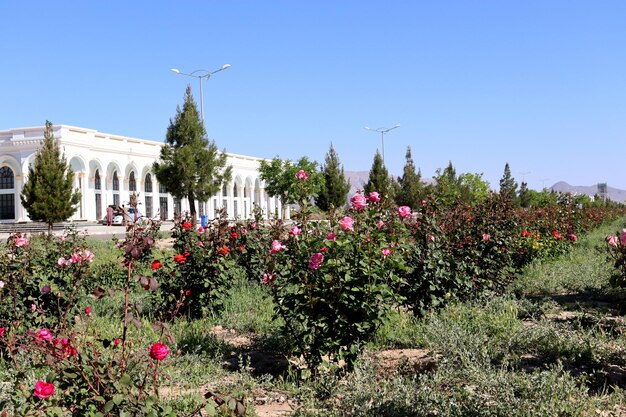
549, 347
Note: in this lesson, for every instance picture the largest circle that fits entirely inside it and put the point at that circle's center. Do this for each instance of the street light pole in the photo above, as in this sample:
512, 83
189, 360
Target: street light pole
201, 75
382, 131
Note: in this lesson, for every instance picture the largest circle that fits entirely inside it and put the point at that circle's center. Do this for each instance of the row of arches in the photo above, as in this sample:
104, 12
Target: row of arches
101, 188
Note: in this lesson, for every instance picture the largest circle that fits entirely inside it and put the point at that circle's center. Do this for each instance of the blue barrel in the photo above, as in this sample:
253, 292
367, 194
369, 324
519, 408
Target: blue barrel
204, 220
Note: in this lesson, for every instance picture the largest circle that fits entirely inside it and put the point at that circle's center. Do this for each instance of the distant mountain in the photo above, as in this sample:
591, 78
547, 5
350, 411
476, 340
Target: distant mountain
358, 179
615, 194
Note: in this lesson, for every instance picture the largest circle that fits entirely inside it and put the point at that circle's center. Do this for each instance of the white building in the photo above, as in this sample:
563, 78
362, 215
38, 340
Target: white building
109, 168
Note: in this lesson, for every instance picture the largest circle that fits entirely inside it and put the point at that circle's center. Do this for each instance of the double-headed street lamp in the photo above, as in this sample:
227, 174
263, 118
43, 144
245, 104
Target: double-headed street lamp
201, 75
382, 131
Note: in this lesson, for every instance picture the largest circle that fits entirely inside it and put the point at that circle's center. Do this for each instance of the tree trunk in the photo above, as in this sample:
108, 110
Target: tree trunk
192, 208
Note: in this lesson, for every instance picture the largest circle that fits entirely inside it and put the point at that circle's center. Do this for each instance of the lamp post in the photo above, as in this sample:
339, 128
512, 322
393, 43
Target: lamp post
201, 75
382, 131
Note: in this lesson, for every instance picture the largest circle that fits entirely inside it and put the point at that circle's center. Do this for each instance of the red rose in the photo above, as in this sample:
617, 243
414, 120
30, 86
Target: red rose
88, 311
181, 259
159, 351
188, 293
223, 250
43, 390
187, 225
156, 264
242, 248
234, 235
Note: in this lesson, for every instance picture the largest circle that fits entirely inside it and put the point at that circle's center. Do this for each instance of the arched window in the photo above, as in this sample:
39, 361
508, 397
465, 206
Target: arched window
148, 183
116, 182
96, 180
116, 189
7, 194
132, 183
163, 206
147, 187
97, 185
224, 191
7, 179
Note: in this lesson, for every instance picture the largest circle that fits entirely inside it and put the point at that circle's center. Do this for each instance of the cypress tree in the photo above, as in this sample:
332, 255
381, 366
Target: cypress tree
190, 165
334, 193
48, 195
508, 186
379, 180
410, 187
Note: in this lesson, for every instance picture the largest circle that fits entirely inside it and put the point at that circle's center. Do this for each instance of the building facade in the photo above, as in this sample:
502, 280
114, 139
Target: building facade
108, 169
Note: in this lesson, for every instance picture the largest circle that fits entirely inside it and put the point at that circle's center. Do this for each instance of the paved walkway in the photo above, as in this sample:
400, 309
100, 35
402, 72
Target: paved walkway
99, 231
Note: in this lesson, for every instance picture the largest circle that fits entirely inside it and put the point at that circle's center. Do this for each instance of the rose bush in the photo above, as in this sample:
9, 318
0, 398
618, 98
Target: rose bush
333, 285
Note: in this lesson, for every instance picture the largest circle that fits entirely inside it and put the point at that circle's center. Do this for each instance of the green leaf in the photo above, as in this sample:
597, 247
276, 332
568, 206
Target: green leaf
109, 406
125, 380
118, 398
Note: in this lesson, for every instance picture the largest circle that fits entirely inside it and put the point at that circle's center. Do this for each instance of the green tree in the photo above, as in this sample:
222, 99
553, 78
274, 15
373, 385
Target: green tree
48, 194
474, 189
447, 187
379, 180
409, 191
524, 195
334, 192
281, 181
508, 186
190, 165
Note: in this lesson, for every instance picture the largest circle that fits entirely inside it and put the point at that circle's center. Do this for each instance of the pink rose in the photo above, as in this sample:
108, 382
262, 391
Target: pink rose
159, 351
572, 237
201, 229
201, 243
386, 252
75, 258
44, 335
277, 246
430, 238
380, 224
623, 238
268, 278
346, 224
43, 390
295, 230
301, 175
62, 262
2, 329
486, 237
253, 225
88, 311
423, 203
612, 240
359, 202
316, 261
331, 236
87, 255
374, 197
404, 211
21, 241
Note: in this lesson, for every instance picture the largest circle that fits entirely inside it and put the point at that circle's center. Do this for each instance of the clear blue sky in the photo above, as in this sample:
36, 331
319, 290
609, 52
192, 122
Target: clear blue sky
538, 83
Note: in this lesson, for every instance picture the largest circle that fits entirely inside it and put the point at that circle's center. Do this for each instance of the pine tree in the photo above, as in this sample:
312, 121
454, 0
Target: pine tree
447, 187
379, 180
508, 186
48, 194
524, 195
410, 187
190, 165
334, 193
